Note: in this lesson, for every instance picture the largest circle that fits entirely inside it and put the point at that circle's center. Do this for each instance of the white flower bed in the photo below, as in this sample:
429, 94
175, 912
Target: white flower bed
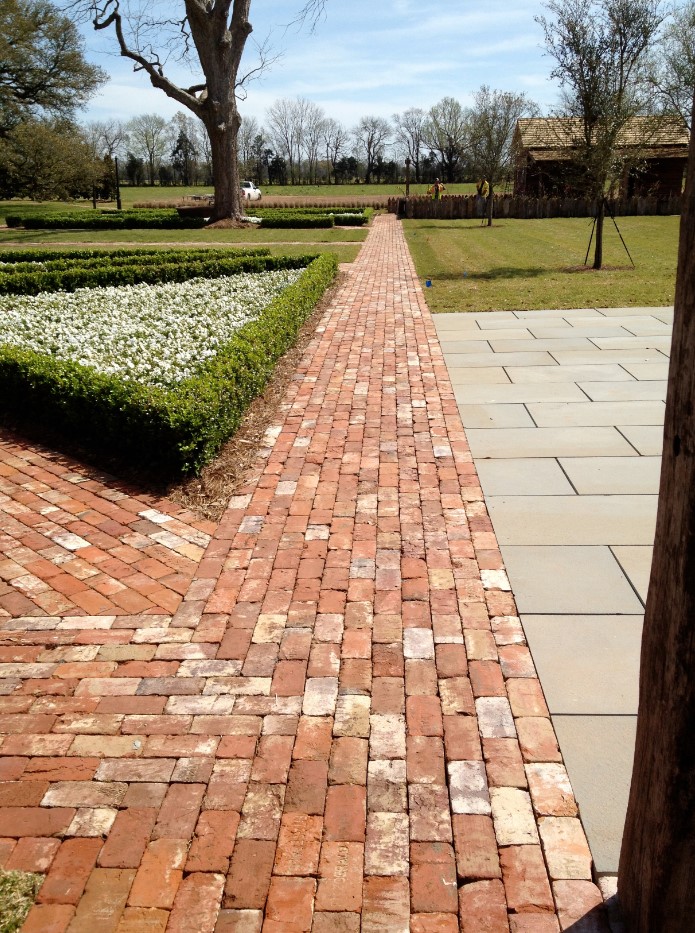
154, 334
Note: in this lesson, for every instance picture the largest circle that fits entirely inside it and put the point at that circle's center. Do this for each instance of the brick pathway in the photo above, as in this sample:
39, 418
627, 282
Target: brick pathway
339, 727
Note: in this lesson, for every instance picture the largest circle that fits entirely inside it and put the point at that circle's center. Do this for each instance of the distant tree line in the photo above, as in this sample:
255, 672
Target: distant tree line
45, 153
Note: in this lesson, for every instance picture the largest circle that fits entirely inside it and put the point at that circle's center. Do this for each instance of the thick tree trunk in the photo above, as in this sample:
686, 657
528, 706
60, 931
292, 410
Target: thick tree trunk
600, 217
656, 877
225, 172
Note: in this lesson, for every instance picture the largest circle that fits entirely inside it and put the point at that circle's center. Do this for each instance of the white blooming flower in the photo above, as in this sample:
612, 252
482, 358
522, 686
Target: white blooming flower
157, 335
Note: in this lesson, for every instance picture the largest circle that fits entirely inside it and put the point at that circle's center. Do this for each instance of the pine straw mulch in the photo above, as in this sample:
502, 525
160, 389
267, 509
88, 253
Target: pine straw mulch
209, 493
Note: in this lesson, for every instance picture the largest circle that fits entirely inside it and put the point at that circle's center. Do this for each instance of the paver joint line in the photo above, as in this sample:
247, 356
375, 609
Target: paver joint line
321, 710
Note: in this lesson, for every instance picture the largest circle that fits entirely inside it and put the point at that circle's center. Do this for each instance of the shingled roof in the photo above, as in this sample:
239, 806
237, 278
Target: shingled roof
547, 137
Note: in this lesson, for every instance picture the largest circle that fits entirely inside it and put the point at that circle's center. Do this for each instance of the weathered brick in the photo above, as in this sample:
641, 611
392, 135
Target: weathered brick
159, 874
69, 872
128, 838
213, 843
483, 908
248, 880
475, 843
198, 896
340, 876
526, 879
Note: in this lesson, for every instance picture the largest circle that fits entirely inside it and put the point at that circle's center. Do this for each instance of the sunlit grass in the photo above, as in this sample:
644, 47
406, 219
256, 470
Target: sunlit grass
18, 890
527, 264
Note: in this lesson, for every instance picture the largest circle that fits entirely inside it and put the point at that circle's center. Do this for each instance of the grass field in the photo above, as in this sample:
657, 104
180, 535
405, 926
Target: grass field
532, 264
285, 242
130, 196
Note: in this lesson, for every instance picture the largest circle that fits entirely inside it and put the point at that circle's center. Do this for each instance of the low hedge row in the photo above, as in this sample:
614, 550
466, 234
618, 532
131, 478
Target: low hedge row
296, 218
284, 220
166, 433
41, 254
174, 269
106, 260
104, 220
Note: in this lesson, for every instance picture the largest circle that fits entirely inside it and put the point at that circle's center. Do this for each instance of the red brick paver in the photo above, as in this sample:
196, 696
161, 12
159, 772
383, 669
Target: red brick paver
338, 728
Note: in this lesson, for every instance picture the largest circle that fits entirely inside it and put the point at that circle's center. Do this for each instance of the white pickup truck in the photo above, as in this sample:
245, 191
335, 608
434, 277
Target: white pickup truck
249, 191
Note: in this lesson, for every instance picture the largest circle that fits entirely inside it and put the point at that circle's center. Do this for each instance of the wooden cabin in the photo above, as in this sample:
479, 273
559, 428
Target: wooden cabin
655, 150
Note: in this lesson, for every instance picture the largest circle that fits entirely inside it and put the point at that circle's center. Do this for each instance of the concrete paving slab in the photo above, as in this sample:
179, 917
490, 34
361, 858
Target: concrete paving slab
566, 414
548, 442
503, 359
650, 327
587, 664
479, 345
584, 520
613, 476
495, 416
647, 371
574, 580
594, 372
496, 318
571, 312
524, 477
570, 342
570, 330
648, 441
657, 342
601, 780
636, 562
460, 375
520, 393
626, 321
624, 391
644, 312
631, 357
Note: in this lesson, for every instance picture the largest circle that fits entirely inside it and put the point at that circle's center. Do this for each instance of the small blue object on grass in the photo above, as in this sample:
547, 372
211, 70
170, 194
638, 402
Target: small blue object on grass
428, 283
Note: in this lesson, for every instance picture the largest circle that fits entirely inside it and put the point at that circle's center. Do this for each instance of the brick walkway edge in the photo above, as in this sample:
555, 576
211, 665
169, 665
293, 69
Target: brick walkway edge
320, 715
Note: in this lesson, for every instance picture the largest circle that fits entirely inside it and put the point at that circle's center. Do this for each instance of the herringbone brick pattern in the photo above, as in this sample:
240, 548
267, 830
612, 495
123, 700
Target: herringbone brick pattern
339, 727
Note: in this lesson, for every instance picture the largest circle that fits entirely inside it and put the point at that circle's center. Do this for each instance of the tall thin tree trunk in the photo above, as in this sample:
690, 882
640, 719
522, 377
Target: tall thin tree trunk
656, 877
600, 217
489, 205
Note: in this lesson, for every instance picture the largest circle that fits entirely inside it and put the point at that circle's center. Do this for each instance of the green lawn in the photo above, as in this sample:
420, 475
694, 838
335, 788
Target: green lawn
285, 242
130, 196
527, 264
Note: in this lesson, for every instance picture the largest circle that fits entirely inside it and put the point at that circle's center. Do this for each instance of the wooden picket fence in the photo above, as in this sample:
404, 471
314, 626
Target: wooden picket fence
468, 207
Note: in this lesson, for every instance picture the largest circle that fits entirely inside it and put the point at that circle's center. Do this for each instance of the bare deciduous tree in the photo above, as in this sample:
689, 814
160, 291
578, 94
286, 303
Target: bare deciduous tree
284, 124
312, 135
149, 136
600, 49
492, 121
108, 137
371, 136
410, 135
335, 139
672, 68
212, 36
445, 134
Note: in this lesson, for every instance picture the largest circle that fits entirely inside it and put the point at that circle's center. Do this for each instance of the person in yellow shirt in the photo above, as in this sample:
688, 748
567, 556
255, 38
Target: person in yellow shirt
482, 190
436, 190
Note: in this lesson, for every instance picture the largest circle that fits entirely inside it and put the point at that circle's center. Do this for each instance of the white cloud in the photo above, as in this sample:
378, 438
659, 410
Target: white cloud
365, 58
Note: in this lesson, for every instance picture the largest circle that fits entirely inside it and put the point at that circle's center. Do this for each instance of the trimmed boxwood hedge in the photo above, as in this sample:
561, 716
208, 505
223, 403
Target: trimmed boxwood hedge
310, 217
166, 433
172, 268
104, 220
54, 260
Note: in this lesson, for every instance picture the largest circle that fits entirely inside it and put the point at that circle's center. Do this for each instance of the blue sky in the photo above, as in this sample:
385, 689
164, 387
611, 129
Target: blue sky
364, 57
